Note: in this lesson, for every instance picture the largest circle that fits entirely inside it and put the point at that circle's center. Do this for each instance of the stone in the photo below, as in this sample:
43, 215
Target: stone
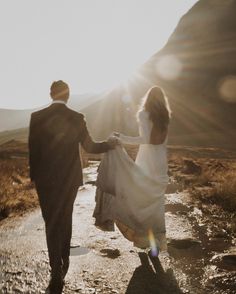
183, 243
190, 167
225, 260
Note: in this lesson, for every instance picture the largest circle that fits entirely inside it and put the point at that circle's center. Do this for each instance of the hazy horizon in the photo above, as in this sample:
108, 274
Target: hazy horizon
92, 46
73, 99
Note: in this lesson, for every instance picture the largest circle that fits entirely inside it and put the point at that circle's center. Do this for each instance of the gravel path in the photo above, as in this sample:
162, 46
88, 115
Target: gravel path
107, 263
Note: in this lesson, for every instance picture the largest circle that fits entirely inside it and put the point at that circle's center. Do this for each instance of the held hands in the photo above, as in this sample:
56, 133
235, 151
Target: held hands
116, 134
114, 140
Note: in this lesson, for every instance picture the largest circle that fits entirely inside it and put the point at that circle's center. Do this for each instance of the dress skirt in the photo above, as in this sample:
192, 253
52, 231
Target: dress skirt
132, 197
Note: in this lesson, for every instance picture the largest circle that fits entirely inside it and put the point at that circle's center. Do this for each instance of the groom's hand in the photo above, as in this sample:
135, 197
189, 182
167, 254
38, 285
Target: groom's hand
116, 134
113, 142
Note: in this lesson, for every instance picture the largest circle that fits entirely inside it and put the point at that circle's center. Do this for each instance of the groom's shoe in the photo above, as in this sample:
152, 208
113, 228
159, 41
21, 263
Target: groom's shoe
55, 286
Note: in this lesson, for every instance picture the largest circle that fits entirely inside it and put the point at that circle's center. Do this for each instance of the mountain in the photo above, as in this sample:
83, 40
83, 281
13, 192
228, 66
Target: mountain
17, 134
79, 102
16, 119
197, 70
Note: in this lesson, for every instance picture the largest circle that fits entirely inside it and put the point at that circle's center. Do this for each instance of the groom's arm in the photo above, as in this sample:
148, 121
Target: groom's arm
88, 144
33, 145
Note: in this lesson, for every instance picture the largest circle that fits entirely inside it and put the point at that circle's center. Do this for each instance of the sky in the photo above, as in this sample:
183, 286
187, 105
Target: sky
93, 45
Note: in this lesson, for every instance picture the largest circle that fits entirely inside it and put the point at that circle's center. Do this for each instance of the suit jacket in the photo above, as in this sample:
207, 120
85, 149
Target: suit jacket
54, 137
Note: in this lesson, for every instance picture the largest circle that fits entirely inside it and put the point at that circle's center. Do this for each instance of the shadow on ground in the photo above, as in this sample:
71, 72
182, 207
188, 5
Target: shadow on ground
150, 278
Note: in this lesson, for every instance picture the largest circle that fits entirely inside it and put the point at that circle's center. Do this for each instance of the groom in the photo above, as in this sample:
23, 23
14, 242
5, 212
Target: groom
55, 167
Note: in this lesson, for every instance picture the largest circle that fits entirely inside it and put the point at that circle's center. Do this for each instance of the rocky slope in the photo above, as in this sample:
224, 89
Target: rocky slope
196, 68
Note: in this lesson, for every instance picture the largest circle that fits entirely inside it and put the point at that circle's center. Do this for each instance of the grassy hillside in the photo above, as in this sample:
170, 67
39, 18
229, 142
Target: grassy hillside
207, 173
17, 194
18, 134
197, 70
206, 139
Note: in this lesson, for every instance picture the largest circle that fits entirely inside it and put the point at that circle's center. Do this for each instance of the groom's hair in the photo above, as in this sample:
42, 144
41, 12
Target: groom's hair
59, 90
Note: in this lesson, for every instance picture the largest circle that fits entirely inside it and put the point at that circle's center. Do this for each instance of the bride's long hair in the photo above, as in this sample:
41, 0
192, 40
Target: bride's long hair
156, 104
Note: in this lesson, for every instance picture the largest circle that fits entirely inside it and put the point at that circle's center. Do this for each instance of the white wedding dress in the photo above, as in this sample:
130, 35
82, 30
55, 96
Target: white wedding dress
152, 159
132, 193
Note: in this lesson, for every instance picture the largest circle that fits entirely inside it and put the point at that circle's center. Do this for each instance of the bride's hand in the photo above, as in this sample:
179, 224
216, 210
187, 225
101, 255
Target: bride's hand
114, 140
116, 134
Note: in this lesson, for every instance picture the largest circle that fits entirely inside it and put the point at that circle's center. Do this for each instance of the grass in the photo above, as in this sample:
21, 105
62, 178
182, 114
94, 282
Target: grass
212, 180
221, 188
209, 174
17, 195
18, 134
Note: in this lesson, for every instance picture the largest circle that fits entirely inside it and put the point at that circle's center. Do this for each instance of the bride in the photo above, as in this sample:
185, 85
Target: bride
129, 193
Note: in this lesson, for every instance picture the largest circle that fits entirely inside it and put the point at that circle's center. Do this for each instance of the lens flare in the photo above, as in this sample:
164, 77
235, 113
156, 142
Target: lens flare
169, 67
126, 99
153, 245
227, 89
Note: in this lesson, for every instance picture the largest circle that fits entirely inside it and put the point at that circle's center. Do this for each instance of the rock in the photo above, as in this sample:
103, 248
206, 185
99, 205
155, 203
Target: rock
17, 179
220, 234
14, 272
78, 289
226, 260
93, 183
172, 187
230, 259
111, 253
183, 243
18, 289
190, 167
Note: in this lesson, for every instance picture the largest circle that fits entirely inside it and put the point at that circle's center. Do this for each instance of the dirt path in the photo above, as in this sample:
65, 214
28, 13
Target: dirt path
107, 263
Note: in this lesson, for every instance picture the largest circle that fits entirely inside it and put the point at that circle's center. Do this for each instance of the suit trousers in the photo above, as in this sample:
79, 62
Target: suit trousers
56, 204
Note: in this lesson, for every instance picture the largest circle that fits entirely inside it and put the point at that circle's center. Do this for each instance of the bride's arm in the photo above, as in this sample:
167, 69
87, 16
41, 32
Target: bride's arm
141, 139
132, 140
143, 133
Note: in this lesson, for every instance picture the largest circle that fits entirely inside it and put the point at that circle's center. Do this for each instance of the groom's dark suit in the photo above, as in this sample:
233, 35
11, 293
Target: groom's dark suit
55, 167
